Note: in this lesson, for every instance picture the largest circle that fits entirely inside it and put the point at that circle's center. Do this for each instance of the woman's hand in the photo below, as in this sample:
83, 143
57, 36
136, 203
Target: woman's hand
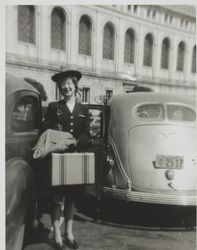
75, 142
61, 147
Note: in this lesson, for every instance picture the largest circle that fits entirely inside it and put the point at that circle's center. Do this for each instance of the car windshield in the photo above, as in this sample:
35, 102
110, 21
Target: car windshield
95, 123
23, 117
180, 113
150, 112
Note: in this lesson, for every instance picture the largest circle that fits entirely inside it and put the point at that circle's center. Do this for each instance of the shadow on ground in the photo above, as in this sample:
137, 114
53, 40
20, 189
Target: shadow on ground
139, 215
39, 237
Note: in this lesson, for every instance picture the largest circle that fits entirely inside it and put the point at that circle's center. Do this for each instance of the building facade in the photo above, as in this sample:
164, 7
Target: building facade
116, 47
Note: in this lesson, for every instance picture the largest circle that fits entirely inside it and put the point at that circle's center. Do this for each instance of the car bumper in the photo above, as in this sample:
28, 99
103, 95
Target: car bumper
155, 198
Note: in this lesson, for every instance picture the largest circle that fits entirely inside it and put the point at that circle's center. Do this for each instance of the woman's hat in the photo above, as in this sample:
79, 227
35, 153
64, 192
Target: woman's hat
58, 77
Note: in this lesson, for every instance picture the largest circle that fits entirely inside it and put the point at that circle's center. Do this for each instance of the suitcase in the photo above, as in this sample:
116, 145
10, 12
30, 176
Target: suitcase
73, 168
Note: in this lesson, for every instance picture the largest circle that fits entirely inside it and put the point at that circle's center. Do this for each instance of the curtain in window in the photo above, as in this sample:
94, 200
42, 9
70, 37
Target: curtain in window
129, 46
194, 60
180, 56
108, 42
165, 50
26, 23
85, 36
58, 21
148, 50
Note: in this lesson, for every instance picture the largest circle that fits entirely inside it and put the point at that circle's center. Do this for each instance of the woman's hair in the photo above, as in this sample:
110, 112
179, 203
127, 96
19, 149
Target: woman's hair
74, 80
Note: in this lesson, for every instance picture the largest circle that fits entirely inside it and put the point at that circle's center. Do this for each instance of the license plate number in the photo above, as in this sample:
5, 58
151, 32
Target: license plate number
169, 162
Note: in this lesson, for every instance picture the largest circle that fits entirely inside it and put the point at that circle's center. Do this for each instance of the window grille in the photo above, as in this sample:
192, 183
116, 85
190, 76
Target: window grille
186, 23
85, 36
109, 94
135, 8
154, 14
166, 17
58, 29
85, 95
129, 7
180, 57
181, 22
148, 13
26, 23
108, 42
129, 46
148, 50
165, 53
194, 60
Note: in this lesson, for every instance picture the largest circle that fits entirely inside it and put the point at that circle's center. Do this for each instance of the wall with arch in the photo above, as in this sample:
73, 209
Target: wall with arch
156, 21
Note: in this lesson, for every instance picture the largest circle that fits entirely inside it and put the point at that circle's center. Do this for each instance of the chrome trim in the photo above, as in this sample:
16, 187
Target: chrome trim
156, 198
119, 163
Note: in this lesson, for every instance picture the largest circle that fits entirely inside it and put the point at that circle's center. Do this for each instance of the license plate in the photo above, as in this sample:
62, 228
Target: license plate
169, 162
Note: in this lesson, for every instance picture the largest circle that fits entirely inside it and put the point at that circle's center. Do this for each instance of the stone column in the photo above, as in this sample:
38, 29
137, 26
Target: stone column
188, 60
156, 55
173, 58
120, 47
139, 51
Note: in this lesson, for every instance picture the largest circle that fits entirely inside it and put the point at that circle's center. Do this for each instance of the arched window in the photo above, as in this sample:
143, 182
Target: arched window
165, 51
58, 22
154, 14
108, 42
148, 50
135, 8
166, 17
194, 60
26, 23
85, 35
129, 46
148, 12
180, 57
129, 7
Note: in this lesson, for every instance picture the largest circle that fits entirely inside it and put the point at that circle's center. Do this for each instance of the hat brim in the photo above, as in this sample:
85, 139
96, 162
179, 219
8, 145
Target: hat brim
69, 73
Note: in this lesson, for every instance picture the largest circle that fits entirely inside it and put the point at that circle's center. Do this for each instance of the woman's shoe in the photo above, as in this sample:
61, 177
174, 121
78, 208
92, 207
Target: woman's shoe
71, 243
57, 246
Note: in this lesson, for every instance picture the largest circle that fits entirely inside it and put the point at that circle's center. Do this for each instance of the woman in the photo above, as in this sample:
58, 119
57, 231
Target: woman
69, 116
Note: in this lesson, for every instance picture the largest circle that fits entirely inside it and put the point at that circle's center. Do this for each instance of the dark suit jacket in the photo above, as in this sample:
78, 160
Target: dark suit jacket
59, 117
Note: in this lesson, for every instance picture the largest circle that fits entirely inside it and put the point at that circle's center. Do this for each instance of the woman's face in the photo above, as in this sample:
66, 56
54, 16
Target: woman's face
67, 87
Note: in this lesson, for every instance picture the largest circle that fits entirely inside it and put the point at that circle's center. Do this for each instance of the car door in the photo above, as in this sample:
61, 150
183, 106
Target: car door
98, 141
23, 116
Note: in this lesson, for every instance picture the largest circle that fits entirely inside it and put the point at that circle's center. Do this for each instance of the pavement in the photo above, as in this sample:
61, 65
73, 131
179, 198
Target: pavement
125, 227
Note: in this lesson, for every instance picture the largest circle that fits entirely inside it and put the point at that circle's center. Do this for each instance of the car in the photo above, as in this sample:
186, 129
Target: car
144, 145
150, 149
23, 120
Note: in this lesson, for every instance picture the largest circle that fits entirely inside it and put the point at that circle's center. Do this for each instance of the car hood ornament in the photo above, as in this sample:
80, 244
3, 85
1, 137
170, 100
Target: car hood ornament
167, 133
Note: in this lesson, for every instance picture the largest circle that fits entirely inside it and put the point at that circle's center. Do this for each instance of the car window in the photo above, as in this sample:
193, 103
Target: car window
150, 112
96, 120
23, 115
180, 113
